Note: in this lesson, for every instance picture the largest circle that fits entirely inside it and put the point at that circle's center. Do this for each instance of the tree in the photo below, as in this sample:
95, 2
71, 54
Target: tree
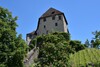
11, 46
95, 42
76, 45
53, 50
87, 44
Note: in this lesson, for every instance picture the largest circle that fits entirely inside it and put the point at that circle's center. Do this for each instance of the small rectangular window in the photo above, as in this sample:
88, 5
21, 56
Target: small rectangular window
56, 24
44, 26
53, 18
44, 19
59, 17
47, 32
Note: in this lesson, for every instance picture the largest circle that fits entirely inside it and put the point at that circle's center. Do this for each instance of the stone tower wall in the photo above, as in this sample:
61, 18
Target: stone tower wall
52, 25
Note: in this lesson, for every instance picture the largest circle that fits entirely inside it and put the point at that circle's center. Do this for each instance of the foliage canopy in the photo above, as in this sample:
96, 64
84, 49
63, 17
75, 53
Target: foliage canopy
12, 47
54, 49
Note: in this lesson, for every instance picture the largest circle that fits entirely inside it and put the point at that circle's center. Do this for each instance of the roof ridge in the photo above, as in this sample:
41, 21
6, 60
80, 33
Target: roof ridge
51, 11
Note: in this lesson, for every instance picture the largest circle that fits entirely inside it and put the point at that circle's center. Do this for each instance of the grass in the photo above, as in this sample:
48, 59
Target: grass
89, 56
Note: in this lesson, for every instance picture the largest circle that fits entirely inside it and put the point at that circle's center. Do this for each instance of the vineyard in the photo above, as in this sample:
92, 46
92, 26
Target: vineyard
85, 58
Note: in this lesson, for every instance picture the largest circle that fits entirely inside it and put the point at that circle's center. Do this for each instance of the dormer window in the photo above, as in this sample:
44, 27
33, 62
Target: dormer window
44, 19
53, 12
53, 18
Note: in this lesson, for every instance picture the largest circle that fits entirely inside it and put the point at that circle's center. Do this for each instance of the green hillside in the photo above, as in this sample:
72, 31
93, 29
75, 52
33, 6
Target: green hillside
87, 57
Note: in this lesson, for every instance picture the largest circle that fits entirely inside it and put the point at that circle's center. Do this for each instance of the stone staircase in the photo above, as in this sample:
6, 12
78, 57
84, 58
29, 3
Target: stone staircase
31, 56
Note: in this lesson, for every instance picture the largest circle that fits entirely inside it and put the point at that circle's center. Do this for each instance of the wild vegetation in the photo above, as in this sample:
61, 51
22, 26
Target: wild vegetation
85, 58
54, 49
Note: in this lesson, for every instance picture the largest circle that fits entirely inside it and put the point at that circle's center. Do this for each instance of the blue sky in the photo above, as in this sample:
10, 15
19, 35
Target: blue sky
83, 16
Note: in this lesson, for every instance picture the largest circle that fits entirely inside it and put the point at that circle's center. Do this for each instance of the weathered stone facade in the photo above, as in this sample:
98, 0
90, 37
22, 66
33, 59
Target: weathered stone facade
51, 21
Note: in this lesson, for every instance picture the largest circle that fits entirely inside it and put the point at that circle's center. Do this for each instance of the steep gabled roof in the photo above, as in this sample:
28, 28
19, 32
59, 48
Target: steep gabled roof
50, 12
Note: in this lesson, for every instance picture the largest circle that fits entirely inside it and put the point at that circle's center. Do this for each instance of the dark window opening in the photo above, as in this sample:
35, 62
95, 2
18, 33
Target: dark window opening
59, 17
53, 18
56, 24
44, 19
53, 12
44, 26
47, 32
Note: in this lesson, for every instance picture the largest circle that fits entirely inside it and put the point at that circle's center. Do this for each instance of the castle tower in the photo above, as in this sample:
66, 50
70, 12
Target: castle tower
51, 21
